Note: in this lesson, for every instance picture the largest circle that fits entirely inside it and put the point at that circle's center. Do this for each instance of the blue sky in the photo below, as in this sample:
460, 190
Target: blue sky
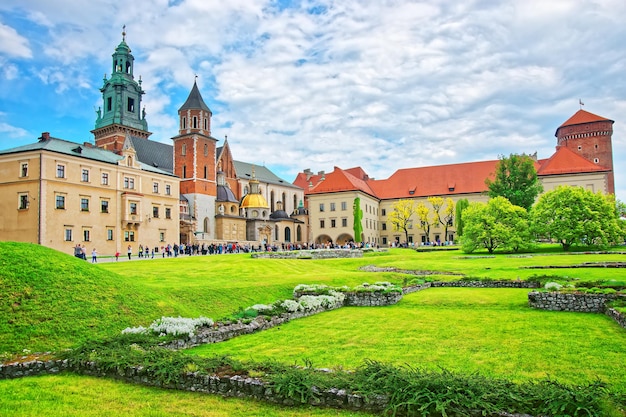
316, 84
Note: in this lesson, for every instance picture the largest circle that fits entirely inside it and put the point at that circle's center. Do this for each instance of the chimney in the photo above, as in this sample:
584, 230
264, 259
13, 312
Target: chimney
44, 136
308, 173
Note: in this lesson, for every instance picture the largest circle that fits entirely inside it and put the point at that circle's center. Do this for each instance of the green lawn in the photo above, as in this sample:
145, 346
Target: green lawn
51, 301
492, 331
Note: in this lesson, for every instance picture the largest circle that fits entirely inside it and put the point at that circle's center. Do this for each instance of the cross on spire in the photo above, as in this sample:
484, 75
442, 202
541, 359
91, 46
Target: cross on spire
580, 102
124, 33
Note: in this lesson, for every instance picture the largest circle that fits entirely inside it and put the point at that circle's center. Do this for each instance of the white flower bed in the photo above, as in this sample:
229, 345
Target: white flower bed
176, 326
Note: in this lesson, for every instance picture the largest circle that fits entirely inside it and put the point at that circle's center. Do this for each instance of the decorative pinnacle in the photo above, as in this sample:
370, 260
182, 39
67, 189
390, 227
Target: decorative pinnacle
124, 33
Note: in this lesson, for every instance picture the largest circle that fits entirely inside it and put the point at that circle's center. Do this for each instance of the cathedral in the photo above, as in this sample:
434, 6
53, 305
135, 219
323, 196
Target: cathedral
125, 189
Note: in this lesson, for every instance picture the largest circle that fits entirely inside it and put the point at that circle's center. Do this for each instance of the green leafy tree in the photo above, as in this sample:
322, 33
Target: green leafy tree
516, 180
461, 205
443, 218
423, 215
400, 217
497, 224
358, 220
575, 216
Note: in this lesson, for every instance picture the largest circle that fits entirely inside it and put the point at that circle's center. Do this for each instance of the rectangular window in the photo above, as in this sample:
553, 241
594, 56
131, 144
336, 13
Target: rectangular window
168, 213
68, 235
129, 236
104, 206
86, 235
133, 208
131, 105
155, 212
105, 178
168, 189
155, 187
161, 236
344, 222
322, 224
384, 225
24, 169
332, 206
333, 223
384, 240
85, 175
60, 171
183, 150
23, 201
129, 183
84, 204
344, 206
321, 206
109, 234
109, 103
383, 212
60, 202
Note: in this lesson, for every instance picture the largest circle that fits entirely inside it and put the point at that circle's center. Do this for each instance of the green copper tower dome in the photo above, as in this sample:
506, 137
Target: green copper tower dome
121, 94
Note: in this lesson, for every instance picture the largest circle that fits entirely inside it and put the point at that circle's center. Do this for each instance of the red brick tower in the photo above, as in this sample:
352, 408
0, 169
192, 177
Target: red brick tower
194, 163
590, 136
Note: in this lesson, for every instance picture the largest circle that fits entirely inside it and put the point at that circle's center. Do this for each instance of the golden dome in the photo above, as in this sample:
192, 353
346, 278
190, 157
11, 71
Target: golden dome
254, 200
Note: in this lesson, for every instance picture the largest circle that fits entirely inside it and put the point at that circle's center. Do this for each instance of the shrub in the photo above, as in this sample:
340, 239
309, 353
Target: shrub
173, 326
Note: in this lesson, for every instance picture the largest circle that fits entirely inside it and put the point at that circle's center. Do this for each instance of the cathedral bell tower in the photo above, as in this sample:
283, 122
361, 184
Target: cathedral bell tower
195, 162
120, 114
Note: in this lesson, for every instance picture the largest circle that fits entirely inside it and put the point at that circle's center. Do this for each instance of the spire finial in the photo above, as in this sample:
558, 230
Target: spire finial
124, 33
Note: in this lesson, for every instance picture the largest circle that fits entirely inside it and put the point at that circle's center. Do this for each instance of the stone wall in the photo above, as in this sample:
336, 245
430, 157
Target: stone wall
311, 254
556, 301
620, 318
487, 284
372, 299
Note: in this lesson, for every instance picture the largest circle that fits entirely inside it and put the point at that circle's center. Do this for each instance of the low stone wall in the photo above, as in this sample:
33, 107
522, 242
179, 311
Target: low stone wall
487, 284
556, 301
372, 299
416, 288
620, 318
311, 254
221, 332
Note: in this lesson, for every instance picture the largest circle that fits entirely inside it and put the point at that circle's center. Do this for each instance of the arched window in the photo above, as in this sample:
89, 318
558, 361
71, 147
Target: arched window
295, 203
284, 201
205, 170
130, 161
246, 190
272, 201
287, 234
183, 149
276, 234
207, 226
206, 149
299, 234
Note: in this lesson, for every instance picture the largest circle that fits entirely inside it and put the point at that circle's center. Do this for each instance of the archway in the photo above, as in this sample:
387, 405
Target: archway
323, 239
344, 238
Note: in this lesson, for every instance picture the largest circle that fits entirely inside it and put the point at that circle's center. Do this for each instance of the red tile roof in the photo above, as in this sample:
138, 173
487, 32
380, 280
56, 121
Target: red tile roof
339, 180
581, 117
566, 161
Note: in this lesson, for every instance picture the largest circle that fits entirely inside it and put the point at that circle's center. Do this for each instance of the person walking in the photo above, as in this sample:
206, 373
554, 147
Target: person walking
94, 256
130, 252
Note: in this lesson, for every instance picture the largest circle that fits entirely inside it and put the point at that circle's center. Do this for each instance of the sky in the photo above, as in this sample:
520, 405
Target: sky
322, 83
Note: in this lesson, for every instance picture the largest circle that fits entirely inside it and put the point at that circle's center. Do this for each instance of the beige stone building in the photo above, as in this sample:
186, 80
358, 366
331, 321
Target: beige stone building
583, 157
61, 194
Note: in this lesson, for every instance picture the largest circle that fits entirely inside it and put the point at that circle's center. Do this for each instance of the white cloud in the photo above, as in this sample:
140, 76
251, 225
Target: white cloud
13, 44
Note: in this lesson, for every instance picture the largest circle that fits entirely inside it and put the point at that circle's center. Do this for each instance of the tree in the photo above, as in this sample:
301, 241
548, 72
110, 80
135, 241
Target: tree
461, 205
423, 214
445, 218
496, 224
400, 217
575, 216
516, 180
358, 220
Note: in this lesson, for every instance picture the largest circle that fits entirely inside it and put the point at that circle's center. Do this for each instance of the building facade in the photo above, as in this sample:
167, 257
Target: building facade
583, 158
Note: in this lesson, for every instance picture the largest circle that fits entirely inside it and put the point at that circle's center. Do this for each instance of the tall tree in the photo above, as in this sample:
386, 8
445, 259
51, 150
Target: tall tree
423, 215
575, 216
400, 217
358, 220
516, 180
461, 205
497, 224
445, 218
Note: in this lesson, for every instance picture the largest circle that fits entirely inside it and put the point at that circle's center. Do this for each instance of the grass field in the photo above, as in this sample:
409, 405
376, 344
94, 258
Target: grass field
52, 301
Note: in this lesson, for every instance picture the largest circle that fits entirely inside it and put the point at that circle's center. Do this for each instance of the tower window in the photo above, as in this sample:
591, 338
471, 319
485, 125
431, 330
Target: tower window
206, 124
183, 123
131, 105
109, 103
596, 160
195, 122
183, 150
184, 171
206, 150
